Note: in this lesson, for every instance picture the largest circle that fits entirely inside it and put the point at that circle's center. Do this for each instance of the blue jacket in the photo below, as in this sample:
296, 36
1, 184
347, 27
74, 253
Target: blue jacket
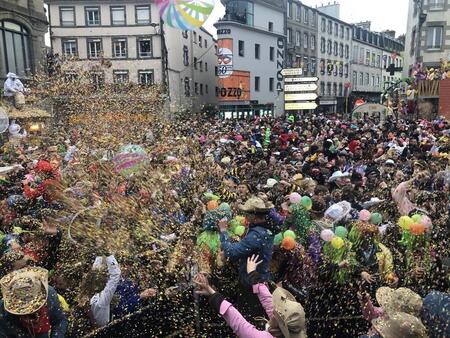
129, 298
259, 241
10, 325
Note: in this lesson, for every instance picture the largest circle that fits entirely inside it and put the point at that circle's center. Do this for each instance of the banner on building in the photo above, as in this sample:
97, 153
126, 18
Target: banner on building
224, 58
235, 87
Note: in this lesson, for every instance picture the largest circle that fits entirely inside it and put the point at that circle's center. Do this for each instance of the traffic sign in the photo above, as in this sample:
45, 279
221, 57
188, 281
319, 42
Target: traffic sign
306, 87
301, 79
300, 105
300, 97
292, 71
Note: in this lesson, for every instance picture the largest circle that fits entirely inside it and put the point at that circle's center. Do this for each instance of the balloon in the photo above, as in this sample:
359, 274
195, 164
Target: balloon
295, 198
288, 243
327, 235
239, 138
341, 232
306, 202
405, 222
416, 218
185, 14
211, 205
224, 207
239, 230
337, 243
277, 239
364, 215
376, 218
417, 229
426, 221
289, 233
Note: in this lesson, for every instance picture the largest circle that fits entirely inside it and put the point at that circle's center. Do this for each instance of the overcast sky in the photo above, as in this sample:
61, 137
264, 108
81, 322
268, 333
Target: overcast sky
384, 14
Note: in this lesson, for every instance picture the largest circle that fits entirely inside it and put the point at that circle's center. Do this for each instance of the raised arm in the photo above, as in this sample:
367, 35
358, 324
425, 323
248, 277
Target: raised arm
107, 293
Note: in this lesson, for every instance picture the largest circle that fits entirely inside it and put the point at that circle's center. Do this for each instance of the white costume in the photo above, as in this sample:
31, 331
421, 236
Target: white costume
12, 85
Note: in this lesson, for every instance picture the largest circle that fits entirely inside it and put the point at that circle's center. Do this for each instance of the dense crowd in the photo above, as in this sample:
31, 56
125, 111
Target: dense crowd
299, 227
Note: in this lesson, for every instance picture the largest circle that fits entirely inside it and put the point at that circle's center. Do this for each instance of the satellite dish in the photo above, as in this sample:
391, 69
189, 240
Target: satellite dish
4, 121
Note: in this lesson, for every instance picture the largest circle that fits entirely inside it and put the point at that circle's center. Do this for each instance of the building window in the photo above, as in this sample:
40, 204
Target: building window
119, 46
434, 37
330, 27
240, 11
367, 57
436, 4
305, 65
366, 82
289, 35
355, 78
206, 66
313, 19
372, 60
201, 88
69, 47
361, 79
336, 29
120, 76
200, 65
322, 45
195, 63
196, 88
206, 43
200, 41
272, 82
306, 16
323, 25
341, 50
206, 89
195, 37
16, 58
184, 34
98, 79
289, 9
340, 90
143, 15
257, 79
305, 40
187, 87
145, 47
299, 13
341, 31
272, 54
146, 77
335, 89
329, 47
347, 33
118, 16
313, 42
270, 26
313, 67
92, 16
346, 70
347, 51
298, 38
185, 56
328, 89
67, 16
94, 48
335, 48
373, 81
241, 48
322, 88
257, 51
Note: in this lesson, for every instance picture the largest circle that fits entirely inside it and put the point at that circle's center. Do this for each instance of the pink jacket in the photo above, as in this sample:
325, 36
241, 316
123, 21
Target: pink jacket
238, 324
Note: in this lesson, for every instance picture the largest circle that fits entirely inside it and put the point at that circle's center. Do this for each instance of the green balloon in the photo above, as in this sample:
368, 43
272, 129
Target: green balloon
277, 239
306, 202
239, 230
341, 232
289, 233
416, 218
376, 218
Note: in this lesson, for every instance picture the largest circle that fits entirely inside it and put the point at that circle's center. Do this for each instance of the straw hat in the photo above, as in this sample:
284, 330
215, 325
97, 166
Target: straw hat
399, 300
338, 211
289, 314
25, 291
400, 325
256, 205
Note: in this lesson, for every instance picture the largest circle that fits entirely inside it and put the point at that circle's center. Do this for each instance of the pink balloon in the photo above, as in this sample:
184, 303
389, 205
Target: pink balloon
426, 221
364, 215
239, 138
202, 139
295, 198
327, 235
